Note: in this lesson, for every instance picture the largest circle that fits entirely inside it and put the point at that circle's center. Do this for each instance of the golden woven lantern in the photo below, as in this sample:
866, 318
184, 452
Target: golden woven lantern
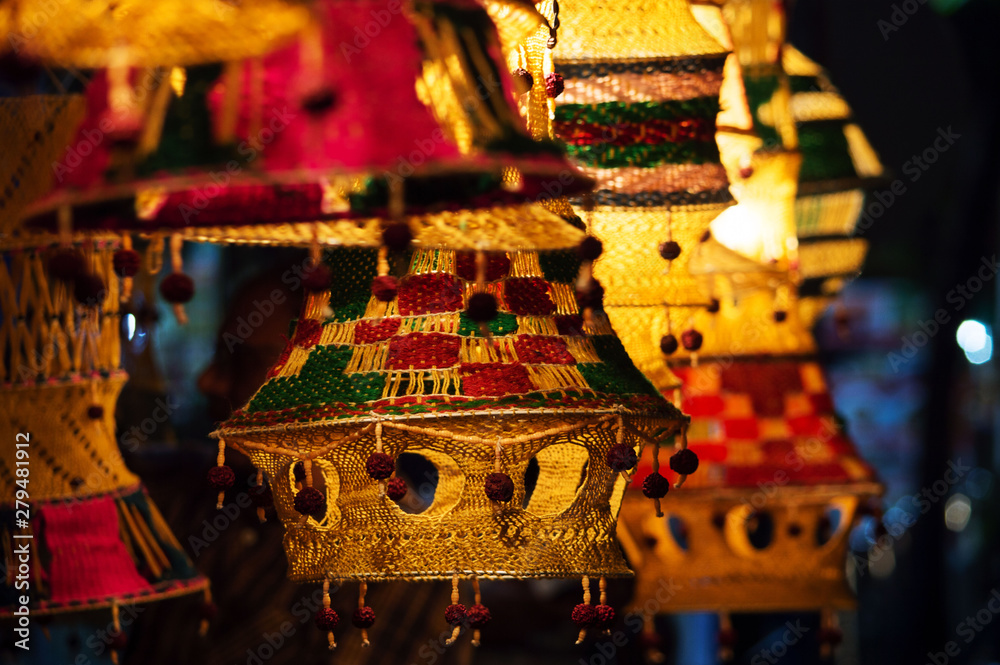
420, 372
94, 539
838, 165
639, 114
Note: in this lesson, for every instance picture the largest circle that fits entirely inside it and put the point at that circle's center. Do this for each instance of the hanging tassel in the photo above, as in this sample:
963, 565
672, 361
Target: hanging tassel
479, 614
655, 486
830, 634
553, 39
220, 476
684, 462
177, 288
208, 612
455, 614
118, 639
260, 495
584, 615
126, 262
364, 616
605, 613
651, 640
326, 618
727, 637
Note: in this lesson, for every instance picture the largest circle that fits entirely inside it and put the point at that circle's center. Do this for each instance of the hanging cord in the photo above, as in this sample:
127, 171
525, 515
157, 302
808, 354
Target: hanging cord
456, 627
682, 446
586, 601
362, 590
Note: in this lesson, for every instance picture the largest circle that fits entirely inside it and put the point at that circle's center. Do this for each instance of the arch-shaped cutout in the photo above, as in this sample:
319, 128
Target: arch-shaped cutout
678, 531
551, 493
530, 481
434, 482
759, 527
325, 479
748, 532
829, 523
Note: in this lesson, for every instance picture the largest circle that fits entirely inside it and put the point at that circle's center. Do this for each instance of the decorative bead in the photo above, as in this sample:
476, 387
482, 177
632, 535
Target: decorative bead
621, 457
126, 262
177, 288
299, 472
221, 477
319, 101
118, 641
746, 172
395, 489
605, 615
584, 615
523, 80
126, 127
655, 486
554, 85
95, 411
713, 307
209, 611
66, 264
363, 617
668, 344
327, 619
727, 637
380, 466
780, 316
684, 462
397, 236
310, 501
89, 290
592, 296
589, 249
479, 616
691, 339
385, 288
831, 636
482, 307
499, 487
670, 250
794, 530
317, 279
261, 497
455, 614
705, 237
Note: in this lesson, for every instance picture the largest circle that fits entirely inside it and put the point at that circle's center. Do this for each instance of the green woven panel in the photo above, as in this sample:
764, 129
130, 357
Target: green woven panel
561, 266
504, 324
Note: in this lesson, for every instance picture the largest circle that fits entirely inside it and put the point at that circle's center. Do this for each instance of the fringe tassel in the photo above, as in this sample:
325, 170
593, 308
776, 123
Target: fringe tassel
586, 601
656, 469
362, 590
220, 460
326, 601
456, 630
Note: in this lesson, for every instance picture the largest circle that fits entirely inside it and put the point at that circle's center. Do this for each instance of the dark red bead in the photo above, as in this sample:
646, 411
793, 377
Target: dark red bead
727, 637
591, 297
523, 80
482, 307
554, 85
621, 457
590, 248
177, 288
605, 615
385, 288
499, 487
831, 636
668, 344
684, 462
327, 619
479, 616
692, 339
118, 640
670, 250
363, 617
319, 101
655, 486
713, 306
746, 172
317, 279
66, 264
221, 477
209, 611
584, 615
95, 411
261, 496
395, 489
89, 290
397, 236
455, 614
126, 262
706, 236
780, 316
380, 466
310, 501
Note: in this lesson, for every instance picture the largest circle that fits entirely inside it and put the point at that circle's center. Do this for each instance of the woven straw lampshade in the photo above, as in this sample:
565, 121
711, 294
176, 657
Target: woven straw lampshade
96, 540
415, 375
639, 114
254, 145
838, 165
98, 33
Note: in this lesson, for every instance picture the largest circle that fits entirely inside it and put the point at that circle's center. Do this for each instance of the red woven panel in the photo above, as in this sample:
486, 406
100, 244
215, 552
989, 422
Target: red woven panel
570, 324
767, 384
423, 351
307, 333
741, 428
88, 559
497, 266
494, 380
821, 403
528, 296
811, 426
777, 452
536, 349
369, 332
703, 405
432, 293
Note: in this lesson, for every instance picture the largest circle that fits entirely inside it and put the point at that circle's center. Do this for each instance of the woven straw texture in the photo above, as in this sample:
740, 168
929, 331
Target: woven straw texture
766, 423
45, 334
416, 375
35, 129
526, 227
98, 33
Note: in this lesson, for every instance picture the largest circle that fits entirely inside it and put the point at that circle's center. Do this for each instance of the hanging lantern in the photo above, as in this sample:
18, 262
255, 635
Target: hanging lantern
94, 539
838, 165
642, 84
479, 364
91, 35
